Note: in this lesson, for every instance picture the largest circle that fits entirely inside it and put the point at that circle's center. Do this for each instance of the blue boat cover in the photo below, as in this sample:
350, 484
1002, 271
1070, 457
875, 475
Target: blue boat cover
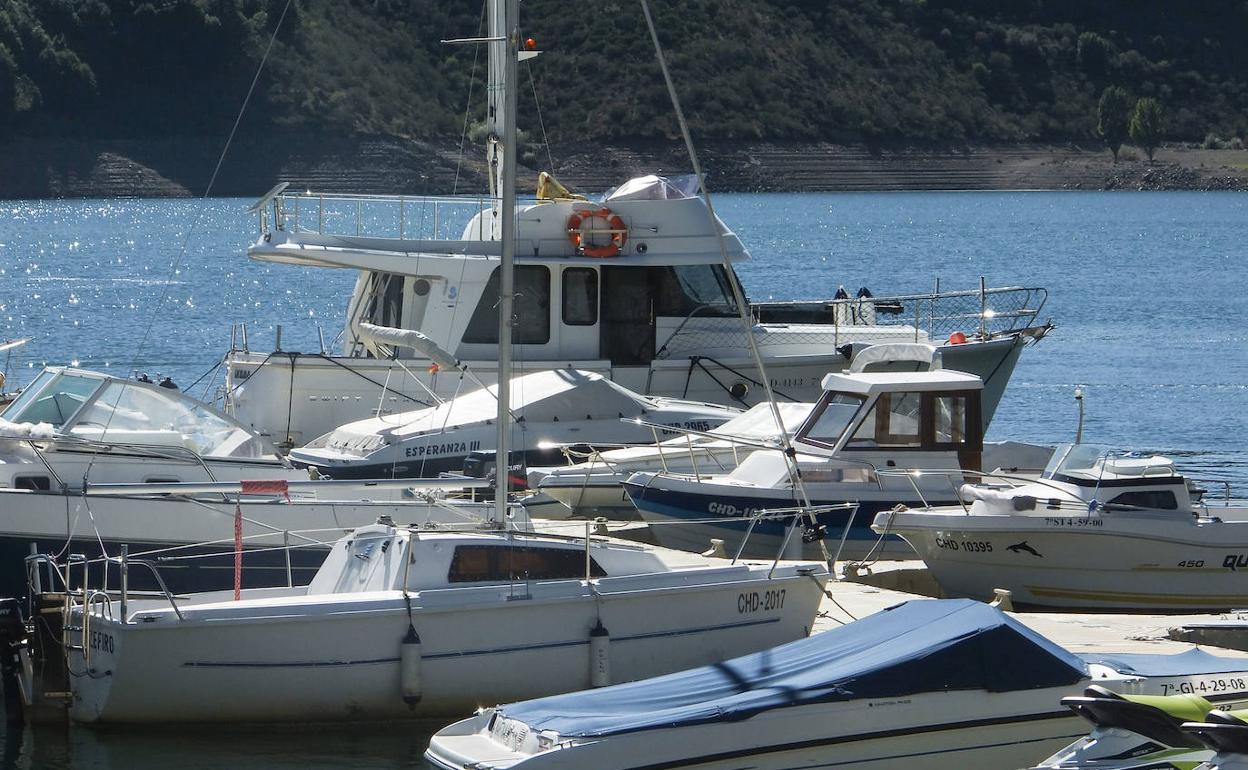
919, 646
1194, 661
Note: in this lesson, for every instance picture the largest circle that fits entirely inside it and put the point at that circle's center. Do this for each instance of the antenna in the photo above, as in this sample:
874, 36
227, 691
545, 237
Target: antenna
1079, 401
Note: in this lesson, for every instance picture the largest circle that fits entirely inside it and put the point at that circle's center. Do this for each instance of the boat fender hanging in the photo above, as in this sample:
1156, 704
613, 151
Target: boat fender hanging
409, 667
957, 338
599, 656
611, 223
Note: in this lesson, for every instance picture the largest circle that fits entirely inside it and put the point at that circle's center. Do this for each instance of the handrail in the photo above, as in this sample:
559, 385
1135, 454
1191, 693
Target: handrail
93, 598
290, 213
126, 562
1014, 480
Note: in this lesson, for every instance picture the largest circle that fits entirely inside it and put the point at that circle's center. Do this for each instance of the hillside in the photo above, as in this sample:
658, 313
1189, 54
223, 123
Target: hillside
885, 75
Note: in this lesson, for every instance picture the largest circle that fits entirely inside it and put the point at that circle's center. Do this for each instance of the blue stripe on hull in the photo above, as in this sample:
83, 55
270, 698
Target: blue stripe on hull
482, 652
732, 514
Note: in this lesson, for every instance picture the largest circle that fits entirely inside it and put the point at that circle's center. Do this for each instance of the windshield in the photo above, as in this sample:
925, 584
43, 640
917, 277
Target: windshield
835, 414
54, 398
137, 414
1075, 460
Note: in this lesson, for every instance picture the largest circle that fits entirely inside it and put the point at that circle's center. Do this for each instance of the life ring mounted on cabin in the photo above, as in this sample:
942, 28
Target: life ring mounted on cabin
584, 224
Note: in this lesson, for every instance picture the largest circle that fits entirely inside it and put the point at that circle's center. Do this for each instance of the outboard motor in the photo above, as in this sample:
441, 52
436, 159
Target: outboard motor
12, 636
481, 464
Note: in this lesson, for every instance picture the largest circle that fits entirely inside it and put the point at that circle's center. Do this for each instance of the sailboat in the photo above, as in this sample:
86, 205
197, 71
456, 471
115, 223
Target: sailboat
410, 622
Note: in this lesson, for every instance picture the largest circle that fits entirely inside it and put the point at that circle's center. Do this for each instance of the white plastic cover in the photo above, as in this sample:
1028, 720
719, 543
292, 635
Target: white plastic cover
654, 188
409, 338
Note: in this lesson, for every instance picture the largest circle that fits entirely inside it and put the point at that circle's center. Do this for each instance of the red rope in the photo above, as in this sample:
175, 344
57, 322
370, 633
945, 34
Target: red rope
238, 550
265, 487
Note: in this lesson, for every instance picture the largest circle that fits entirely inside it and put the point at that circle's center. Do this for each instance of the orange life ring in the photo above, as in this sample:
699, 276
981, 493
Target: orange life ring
614, 226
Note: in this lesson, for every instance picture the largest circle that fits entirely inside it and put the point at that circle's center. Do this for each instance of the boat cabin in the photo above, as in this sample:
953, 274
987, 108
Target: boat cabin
898, 412
374, 558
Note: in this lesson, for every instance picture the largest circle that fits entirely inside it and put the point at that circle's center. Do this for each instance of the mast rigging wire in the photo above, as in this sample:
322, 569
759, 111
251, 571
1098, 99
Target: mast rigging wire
789, 453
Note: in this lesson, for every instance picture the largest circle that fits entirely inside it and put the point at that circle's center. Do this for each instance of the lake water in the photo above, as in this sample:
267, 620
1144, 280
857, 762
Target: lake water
1148, 292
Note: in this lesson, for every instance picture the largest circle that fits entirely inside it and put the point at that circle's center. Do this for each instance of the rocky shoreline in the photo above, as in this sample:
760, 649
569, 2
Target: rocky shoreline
182, 166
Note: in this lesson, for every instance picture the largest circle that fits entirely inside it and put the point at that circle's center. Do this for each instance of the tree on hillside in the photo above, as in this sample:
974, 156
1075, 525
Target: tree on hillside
1146, 125
1113, 116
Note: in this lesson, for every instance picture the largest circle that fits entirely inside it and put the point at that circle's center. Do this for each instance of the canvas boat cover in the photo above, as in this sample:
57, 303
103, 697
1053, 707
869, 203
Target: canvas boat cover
1194, 661
920, 646
563, 394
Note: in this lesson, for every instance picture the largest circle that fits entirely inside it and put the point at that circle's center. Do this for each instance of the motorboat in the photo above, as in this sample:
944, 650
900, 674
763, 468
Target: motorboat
864, 424
953, 683
409, 622
551, 409
1133, 732
594, 486
91, 461
1099, 529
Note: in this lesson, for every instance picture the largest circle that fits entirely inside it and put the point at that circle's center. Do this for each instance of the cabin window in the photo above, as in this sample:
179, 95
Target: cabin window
682, 289
532, 309
950, 418
385, 307
833, 416
1158, 499
496, 563
892, 422
33, 483
918, 420
580, 296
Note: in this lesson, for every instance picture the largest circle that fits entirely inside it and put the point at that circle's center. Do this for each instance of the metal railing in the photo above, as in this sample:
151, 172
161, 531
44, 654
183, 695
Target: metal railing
984, 312
399, 217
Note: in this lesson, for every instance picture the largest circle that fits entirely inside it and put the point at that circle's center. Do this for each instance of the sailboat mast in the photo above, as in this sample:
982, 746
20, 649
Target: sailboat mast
503, 23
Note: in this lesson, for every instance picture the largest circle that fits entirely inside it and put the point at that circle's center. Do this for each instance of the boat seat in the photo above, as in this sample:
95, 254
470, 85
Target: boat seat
1226, 732
1158, 717
1154, 465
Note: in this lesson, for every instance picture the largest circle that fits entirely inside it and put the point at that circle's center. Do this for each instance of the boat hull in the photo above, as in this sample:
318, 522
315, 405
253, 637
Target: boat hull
505, 643
293, 398
191, 542
686, 516
978, 730
1088, 562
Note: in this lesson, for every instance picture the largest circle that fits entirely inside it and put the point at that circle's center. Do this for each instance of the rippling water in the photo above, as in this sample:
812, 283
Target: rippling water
1148, 291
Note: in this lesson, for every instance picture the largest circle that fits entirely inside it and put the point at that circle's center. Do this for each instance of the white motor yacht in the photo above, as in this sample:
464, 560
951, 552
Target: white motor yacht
952, 684
403, 622
1097, 530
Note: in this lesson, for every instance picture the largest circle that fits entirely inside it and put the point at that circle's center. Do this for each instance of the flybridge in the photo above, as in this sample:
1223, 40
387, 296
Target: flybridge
390, 233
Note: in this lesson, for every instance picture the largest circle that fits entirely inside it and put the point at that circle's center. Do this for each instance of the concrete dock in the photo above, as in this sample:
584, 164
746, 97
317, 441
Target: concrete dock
1078, 632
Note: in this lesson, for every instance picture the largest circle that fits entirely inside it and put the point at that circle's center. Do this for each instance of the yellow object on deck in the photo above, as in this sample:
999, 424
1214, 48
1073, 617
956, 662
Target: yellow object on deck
549, 189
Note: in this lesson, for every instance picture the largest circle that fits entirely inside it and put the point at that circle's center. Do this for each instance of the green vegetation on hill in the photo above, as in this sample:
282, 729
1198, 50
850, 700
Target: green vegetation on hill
881, 71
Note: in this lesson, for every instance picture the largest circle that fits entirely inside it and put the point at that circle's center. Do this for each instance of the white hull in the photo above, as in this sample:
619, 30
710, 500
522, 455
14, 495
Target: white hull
342, 662
1098, 561
327, 392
